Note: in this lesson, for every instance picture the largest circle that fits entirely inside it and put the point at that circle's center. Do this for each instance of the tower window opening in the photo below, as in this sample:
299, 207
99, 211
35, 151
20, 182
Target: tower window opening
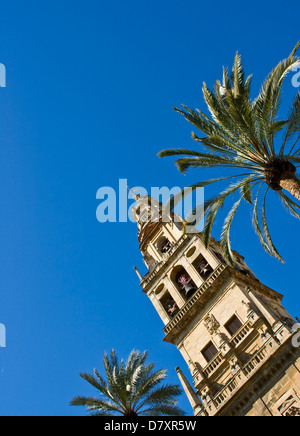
233, 325
163, 245
203, 267
209, 352
169, 305
185, 284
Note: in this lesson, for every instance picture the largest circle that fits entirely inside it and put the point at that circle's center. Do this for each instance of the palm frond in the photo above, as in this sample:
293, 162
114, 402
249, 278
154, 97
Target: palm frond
246, 191
209, 160
94, 382
212, 206
160, 396
267, 104
101, 413
295, 158
225, 130
256, 224
289, 204
266, 230
149, 381
178, 197
235, 118
93, 404
181, 152
296, 49
238, 76
225, 236
293, 123
164, 410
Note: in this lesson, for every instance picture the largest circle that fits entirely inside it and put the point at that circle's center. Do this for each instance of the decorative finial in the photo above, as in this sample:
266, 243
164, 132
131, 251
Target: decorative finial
134, 193
138, 273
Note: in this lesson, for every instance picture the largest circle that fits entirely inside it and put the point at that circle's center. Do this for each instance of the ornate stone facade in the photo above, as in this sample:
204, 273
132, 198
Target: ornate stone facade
231, 329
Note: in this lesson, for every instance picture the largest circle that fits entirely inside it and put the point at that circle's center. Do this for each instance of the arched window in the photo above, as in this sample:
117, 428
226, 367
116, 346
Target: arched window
169, 305
203, 267
184, 282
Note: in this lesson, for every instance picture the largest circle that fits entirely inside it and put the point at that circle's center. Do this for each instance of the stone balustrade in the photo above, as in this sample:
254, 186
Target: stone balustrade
241, 334
245, 373
213, 365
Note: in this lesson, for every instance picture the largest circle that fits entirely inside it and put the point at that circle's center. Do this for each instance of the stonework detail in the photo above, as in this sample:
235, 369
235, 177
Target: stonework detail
211, 324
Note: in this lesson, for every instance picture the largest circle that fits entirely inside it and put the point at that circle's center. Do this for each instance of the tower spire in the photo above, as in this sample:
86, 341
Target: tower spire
135, 196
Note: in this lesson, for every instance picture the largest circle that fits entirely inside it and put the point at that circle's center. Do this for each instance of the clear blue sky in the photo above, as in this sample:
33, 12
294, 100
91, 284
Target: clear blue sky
90, 90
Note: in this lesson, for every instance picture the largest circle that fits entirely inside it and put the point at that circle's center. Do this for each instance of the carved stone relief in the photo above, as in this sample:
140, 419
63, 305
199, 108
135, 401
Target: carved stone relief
211, 324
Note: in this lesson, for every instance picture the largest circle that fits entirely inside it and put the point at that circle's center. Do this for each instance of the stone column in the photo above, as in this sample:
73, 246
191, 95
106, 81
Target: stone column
159, 308
191, 394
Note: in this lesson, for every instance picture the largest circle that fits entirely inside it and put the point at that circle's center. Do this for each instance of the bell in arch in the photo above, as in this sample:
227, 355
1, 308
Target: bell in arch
189, 290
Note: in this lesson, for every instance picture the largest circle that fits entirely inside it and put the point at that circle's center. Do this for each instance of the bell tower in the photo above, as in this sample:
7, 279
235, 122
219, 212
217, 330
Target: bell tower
231, 329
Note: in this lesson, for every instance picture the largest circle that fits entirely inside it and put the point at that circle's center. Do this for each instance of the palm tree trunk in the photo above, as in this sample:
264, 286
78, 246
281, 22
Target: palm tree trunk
291, 183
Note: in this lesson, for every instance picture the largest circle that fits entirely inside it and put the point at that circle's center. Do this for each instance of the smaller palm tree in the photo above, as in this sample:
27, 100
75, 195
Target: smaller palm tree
131, 388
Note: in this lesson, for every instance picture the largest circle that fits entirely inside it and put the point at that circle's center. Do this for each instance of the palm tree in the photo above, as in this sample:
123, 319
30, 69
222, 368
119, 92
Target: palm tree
131, 388
246, 135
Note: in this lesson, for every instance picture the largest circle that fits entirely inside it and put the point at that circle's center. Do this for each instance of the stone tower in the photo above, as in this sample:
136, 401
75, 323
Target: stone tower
232, 330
